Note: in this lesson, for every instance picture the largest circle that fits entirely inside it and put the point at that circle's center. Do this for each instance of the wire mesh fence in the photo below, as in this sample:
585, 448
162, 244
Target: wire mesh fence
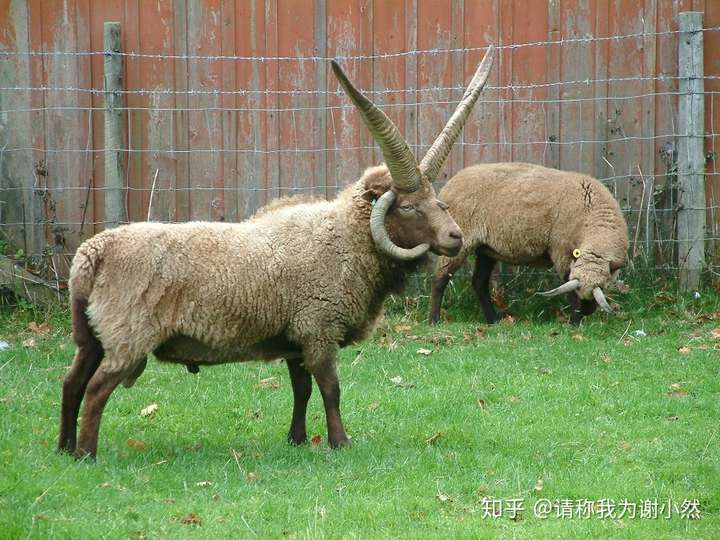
223, 111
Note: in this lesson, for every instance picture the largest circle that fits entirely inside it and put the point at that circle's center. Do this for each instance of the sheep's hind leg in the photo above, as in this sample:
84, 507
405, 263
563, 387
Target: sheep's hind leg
101, 385
301, 382
481, 283
88, 355
320, 361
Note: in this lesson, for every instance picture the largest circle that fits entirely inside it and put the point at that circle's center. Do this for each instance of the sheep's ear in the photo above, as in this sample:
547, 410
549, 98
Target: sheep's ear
375, 187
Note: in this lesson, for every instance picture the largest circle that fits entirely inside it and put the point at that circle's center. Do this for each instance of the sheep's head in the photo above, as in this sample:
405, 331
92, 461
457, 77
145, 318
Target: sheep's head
417, 221
590, 273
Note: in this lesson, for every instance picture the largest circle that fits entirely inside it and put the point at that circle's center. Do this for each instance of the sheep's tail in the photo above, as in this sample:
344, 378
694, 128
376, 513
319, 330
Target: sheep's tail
82, 272
82, 279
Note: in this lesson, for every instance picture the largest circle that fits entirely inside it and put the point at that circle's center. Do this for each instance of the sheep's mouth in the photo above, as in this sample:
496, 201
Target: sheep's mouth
449, 251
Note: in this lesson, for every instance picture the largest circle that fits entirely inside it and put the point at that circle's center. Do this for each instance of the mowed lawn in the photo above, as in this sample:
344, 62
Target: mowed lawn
444, 421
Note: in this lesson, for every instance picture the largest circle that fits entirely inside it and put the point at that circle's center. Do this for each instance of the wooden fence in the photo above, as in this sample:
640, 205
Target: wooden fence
227, 104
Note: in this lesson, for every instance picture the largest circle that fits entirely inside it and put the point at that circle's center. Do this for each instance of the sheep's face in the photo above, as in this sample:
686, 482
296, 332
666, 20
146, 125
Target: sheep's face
418, 217
592, 271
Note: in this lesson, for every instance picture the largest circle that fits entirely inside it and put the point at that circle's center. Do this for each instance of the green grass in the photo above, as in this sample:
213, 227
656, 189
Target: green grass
532, 408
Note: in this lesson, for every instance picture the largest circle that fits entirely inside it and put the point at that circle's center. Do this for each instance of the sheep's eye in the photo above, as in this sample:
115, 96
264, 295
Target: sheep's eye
407, 208
442, 205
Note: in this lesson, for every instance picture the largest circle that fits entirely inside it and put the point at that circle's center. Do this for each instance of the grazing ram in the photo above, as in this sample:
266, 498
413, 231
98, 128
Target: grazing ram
531, 215
296, 282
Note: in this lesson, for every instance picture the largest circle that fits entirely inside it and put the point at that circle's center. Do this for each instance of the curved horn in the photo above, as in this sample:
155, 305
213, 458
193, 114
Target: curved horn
399, 159
600, 299
565, 287
380, 235
433, 161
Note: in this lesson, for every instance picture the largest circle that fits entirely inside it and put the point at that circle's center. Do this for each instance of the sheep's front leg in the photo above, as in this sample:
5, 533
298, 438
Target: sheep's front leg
301, 382
481, 283
320, 361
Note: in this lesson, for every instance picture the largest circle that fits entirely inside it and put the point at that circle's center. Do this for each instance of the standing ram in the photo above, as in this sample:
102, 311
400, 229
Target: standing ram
295, 282
531, 215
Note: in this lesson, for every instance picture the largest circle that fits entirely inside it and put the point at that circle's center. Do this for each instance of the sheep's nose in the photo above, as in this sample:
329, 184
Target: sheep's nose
456, 235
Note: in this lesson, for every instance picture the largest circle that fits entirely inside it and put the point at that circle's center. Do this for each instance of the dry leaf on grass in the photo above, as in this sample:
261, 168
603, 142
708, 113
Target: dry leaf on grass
677, 391
149, 410
316, 440
443, 497
253, 476
373, 405
684, 350
136, 444
270, 382
624, 445
538, 486
29, 343
203, 483
402, 328
424, 352
398, 381
579, 337
715, 333
434, 438
481, 403
39, 329
216, 497
191, 519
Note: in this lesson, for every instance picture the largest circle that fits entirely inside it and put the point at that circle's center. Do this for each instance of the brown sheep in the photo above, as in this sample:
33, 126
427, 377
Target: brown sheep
526, 214
295, 282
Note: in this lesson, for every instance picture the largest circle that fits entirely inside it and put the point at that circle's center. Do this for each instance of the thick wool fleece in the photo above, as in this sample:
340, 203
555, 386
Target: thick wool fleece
526, 214
300, 277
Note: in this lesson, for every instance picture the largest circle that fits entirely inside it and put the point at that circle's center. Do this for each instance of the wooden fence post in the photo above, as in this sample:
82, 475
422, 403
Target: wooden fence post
114, 139
691, 156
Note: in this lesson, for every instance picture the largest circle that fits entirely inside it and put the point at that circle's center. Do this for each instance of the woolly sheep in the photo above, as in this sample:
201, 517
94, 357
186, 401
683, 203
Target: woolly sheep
297, 281
526, 214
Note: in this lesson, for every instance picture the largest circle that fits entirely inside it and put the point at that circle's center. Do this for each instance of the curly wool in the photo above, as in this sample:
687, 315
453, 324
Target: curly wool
206, 293
527, 214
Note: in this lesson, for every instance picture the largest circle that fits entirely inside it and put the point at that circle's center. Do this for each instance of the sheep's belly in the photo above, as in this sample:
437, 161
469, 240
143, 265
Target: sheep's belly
186, 350
526, 259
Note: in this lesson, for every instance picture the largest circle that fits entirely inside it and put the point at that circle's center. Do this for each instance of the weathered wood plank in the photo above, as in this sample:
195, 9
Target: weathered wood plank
26, 285
115, 191
181, 116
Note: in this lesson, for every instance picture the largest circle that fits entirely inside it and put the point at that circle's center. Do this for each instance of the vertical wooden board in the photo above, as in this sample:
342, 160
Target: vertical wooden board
389, 72
435, 76
349, 34
272, 80
601, 48
181, 124
506, 135
66, 131
411, 96
298, 155
624, 115
137, 196
205, 125
156, 38
712, 127
320, 102
19, 202
251, 122
482, 130
228, 102
577, 117
529, 25
553, 62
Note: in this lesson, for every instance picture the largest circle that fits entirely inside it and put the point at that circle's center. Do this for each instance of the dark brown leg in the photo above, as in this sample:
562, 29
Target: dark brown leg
99, 389
481, 283
301, 382
88, 355
438, 289
588, 307
320, 361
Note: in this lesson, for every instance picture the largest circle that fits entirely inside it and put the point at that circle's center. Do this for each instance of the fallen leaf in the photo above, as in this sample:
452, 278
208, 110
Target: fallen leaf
509, 319
684, 350
216, 497
715, 333
39, 329
149, 410
316, 440
443, 497
404, 328
677, 391
191, 519
373, 405
398, 381
579, 337
624, 445
253, 476
538, 486
29, 343
481, 403
270, 382
434, 438
425, 352
105, 485
136, 444
203, 483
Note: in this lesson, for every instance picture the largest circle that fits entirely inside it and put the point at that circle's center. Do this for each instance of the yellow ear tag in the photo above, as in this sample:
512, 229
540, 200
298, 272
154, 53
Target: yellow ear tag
576, 253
